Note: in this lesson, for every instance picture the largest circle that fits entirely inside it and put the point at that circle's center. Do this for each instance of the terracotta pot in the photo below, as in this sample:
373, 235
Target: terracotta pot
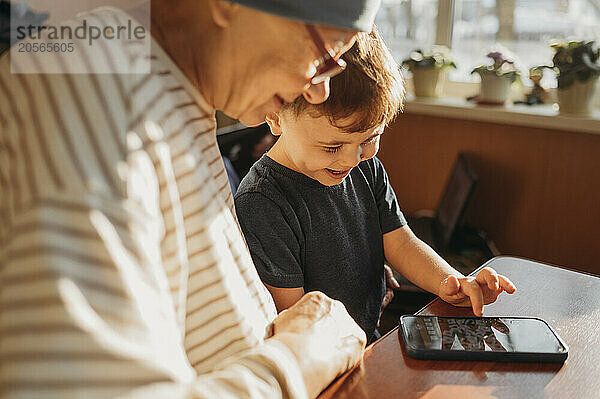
429, 82
578, 99
494, 89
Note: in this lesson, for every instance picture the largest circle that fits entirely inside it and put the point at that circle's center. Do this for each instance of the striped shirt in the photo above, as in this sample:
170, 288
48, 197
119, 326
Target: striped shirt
122, 267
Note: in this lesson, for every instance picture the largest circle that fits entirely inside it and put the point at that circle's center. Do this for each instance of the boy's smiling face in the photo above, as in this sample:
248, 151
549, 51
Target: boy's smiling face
312, 146
325, 141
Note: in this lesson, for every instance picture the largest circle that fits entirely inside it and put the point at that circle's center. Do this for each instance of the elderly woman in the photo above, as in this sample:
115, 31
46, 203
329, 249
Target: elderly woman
122, 267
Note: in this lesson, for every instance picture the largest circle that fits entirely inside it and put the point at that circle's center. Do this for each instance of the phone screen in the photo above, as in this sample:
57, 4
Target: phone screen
490, 334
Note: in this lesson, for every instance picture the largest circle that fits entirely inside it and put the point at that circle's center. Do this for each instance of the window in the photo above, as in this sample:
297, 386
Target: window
407, 25
471, 27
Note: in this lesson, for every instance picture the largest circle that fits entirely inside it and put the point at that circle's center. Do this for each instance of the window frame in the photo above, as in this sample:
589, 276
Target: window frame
443, 36
445, 23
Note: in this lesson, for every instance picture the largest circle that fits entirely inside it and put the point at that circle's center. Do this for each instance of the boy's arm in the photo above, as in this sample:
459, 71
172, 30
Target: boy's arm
416, 260
419, 263
285, 297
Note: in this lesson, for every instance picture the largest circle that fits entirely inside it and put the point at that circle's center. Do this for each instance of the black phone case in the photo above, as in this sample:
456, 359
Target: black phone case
470, 355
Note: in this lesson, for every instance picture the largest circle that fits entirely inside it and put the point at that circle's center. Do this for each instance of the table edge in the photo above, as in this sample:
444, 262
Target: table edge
394, 330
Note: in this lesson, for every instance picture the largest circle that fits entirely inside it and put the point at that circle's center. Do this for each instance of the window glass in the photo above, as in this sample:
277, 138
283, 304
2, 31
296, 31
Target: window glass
407, 25
525, 27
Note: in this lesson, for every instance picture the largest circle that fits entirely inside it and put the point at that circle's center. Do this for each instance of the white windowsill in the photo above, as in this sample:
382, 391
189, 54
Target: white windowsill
540, 116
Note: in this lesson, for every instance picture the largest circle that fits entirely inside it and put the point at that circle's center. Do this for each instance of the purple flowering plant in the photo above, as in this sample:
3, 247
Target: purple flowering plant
503, 65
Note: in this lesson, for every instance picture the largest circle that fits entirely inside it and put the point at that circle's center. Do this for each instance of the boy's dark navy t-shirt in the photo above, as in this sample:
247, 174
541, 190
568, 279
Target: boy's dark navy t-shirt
304, 234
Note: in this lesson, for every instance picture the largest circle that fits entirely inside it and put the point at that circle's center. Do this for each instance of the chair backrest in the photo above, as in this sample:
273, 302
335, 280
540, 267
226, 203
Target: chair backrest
454, 200
238, 143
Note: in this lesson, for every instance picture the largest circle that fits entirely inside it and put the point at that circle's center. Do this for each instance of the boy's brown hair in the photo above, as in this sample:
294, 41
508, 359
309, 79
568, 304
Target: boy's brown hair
369, 93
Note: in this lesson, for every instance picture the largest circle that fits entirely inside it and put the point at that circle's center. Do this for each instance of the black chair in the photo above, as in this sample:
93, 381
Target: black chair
464, 247
239, 144
437, 230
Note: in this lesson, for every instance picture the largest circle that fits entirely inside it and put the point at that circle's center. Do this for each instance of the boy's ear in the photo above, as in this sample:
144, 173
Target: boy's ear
222, 12
274, 123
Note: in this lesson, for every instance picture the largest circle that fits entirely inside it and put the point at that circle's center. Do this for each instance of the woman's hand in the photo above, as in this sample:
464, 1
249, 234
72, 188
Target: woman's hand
325, 340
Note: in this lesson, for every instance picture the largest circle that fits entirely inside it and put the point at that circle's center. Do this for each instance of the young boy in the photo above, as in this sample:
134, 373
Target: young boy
319, 213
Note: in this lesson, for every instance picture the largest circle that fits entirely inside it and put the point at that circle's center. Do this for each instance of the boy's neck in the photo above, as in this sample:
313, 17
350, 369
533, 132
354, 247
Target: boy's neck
279, 154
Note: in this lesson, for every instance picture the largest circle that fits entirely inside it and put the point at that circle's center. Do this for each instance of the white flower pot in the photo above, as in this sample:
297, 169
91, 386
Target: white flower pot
577, 99
494, 89
429, 82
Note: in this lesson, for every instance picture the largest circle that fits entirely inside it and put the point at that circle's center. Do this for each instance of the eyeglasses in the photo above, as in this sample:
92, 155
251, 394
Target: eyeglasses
328, 66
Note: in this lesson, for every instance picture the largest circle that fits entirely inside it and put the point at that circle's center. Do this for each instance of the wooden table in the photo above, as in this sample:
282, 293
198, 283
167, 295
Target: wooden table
569, 301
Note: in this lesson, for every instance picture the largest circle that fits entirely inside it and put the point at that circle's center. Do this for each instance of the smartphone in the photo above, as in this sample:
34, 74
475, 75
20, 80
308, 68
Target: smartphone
505, 339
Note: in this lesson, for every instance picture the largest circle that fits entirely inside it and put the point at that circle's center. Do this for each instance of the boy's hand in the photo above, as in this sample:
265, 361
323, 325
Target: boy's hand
391, 284
475, 291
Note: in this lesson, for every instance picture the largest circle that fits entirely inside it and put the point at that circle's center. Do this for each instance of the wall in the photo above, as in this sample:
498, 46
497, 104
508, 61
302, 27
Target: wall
538, 194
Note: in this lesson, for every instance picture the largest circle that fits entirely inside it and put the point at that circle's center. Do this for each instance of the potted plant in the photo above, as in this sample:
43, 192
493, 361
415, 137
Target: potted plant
576, 66
429, 70
497, 78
